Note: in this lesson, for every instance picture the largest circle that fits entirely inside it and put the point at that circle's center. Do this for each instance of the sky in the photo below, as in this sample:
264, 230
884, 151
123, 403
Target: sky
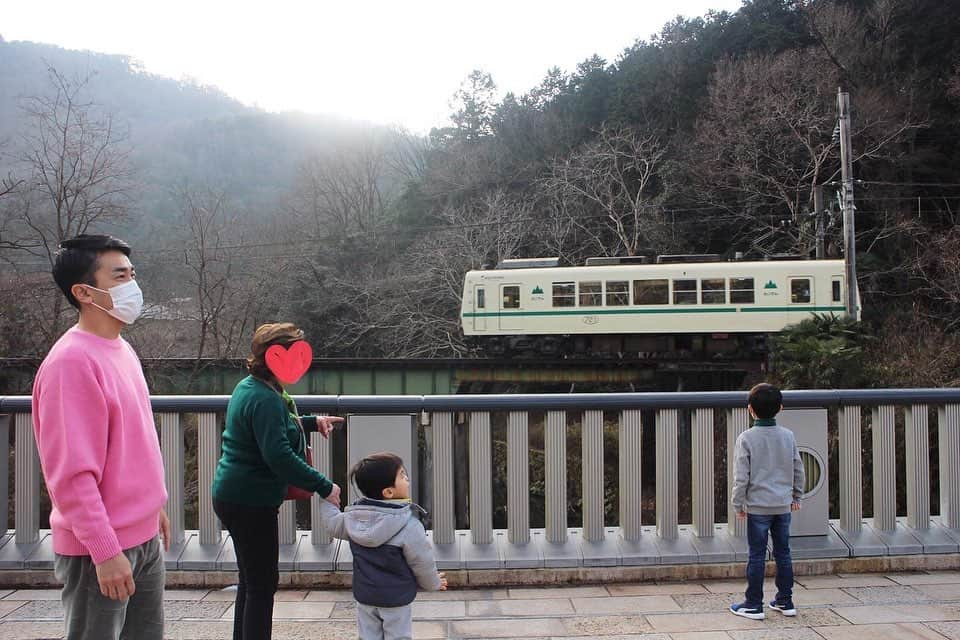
389, 62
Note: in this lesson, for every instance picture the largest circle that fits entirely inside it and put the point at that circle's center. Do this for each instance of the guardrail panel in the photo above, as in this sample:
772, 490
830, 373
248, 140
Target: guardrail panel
4, 472
948, 425
918, 466
518, 478
667, 474
738, 421
208, 455
703, 472
443, 499
555, 472
26, 488
322, 462
481, 479
851, 476
883, 425
172, 449
592, 452
631, 496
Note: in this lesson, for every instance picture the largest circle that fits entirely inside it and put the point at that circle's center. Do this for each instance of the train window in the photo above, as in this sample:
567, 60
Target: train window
684, 292
618, 293
564, 294
837, 286
591, 294
713, 291
800, 290
651, 292
741, 291
481, 298
511, 297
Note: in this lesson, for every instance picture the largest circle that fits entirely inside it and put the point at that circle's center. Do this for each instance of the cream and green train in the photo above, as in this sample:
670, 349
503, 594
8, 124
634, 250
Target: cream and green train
614, 306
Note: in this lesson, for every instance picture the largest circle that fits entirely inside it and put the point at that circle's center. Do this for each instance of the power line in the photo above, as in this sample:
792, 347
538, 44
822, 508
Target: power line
726, 217
909, 184
908, 198
722, 217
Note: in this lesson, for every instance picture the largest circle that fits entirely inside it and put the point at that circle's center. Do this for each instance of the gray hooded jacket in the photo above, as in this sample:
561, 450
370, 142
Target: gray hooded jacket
391, 553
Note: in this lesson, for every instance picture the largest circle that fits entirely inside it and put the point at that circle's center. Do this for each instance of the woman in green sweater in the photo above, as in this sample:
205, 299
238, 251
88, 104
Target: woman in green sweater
259, 460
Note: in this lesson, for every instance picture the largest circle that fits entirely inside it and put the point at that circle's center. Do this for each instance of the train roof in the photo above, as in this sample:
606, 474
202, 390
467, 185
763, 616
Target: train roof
552, 264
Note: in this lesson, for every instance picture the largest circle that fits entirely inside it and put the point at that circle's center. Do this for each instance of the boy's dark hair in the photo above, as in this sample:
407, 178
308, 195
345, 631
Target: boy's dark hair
765, 400
375, 473
77, 260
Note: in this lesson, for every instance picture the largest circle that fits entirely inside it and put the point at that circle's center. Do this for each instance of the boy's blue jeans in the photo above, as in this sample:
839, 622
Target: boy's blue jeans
778, 528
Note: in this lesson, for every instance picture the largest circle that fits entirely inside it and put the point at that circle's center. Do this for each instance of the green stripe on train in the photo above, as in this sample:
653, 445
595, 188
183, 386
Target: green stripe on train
607, 312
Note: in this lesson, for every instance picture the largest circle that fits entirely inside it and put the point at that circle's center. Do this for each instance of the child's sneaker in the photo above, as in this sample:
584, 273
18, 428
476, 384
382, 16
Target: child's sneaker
747, 611
786, 607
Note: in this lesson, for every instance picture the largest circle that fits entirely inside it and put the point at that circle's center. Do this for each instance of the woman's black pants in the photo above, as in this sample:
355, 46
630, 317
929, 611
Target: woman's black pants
253, 531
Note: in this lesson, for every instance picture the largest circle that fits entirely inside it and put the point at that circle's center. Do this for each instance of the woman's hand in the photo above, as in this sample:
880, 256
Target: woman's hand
325, 424
334, 497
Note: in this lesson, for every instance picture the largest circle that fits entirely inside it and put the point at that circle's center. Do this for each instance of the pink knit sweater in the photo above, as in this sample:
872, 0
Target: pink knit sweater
98, 446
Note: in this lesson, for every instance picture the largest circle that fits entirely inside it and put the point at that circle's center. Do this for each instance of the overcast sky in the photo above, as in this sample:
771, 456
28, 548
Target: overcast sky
383, 61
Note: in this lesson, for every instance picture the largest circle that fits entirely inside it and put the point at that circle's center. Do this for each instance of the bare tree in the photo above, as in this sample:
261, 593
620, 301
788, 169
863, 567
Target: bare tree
608, 189
953, 84
8, 186
765, 140
230, 290
860, 44
340, 193
9, 218
78, 166
412, 310
912, 350
937, 267
75, 175
407, 155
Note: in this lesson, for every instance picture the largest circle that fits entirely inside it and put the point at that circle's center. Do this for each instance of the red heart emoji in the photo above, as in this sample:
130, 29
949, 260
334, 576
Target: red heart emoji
289, 365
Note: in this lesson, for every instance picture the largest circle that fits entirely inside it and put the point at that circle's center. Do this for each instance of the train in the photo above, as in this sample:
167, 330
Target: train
645, 307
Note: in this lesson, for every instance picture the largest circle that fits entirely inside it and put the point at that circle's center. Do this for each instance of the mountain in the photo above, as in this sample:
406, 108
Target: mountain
179, 132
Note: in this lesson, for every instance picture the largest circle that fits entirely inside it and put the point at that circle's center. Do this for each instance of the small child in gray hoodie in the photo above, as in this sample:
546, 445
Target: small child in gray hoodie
391, 553
768, 480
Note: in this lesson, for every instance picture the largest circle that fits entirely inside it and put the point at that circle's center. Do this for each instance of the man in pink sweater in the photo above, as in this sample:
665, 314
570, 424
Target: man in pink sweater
100, 454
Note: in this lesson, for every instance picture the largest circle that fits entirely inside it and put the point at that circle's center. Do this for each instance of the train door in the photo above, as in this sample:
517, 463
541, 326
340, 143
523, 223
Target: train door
509, 305
479, 308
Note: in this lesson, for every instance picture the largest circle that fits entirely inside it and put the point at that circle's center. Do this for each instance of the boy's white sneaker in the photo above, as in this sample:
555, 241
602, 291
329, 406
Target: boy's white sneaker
747, 611
786, 608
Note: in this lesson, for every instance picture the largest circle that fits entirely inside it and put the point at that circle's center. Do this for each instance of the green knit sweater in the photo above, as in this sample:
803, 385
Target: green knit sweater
259, 451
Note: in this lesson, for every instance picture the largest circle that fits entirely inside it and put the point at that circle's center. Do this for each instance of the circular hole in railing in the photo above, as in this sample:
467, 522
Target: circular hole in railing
814, 470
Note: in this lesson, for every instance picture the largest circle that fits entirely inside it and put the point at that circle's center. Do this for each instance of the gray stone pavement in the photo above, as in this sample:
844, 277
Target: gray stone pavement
894, 606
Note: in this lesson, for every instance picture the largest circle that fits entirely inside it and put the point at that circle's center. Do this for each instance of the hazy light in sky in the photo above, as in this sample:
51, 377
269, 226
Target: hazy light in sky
383, 61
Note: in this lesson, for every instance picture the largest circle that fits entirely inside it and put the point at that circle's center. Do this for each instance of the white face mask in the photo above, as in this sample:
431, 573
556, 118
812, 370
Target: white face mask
127, 301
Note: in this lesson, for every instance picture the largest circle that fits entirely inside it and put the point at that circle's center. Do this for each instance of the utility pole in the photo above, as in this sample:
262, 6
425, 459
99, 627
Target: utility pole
849, 237
819, 213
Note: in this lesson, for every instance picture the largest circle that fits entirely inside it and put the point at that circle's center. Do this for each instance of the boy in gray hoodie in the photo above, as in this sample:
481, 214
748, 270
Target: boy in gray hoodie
768, 480
391, 554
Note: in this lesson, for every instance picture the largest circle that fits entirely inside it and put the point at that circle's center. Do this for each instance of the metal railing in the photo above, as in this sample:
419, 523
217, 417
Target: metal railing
557, 544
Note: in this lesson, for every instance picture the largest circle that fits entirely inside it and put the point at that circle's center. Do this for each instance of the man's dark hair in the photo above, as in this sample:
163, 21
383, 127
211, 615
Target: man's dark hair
78, 258
375, 473
765, 400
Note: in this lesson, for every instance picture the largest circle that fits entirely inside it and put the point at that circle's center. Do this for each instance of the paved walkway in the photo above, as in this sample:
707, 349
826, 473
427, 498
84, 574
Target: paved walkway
899, 606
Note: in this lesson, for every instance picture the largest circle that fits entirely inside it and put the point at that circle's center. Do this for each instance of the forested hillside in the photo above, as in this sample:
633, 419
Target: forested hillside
710, 136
